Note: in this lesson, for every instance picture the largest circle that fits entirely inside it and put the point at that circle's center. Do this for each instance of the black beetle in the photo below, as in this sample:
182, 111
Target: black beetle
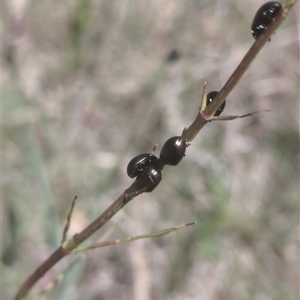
210, 97
264, 17
150, 177
173, 150
137, 165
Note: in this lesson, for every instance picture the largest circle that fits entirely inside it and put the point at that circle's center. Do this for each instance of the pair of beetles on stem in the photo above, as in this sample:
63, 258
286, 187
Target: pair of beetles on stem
146, 167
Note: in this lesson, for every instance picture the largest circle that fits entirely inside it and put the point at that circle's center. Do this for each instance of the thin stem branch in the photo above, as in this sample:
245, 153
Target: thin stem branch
134, 238
71, 244
55, 257
230, 118
204, 116
263, 38
68, 223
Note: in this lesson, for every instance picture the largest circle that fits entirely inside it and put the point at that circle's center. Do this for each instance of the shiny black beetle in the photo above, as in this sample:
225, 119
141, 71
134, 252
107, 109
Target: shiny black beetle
137, 165
150, 178
147, 170
210, 97
173, 150
264, 17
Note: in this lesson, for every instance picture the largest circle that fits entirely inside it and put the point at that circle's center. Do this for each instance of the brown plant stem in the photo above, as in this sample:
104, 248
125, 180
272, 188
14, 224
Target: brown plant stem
263, 38
204, 116
56, 256
71, 244
66, 229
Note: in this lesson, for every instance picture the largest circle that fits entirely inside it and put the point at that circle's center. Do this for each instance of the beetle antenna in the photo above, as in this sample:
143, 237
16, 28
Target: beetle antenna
153, 150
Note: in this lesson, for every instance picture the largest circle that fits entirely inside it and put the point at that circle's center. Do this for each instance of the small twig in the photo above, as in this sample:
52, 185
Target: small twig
71, 244
204, 116
229, 118
204, 97
263, 38
134, 238
68, 223
61, 275
244, 65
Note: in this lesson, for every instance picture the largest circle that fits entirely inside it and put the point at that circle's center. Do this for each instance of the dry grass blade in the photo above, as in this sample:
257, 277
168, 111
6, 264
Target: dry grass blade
134, 238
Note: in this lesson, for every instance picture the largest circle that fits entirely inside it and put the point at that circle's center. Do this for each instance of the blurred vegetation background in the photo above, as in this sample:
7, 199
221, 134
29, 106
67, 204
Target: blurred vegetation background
86, 86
